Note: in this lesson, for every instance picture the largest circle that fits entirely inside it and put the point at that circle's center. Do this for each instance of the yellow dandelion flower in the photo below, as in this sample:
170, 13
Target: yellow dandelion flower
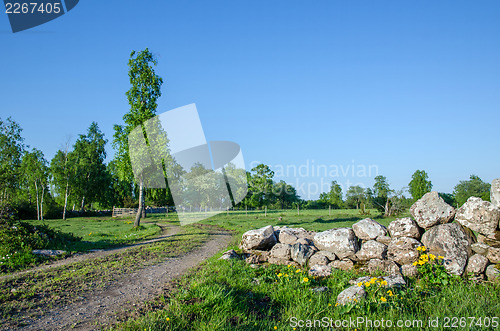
329, 305
280, 274
296, 271
390, 293
286, 275
383, 299
275, 327
424, 248
432, 256
384, 282
336, 304
367, 284
415, 263
440, 257
305, 280
360, 284
168, 319
355, 300
419, 248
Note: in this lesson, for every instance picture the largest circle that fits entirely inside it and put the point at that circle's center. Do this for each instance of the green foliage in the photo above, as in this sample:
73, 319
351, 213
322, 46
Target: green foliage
355, 196
18, 239
474, 187
35, 179
260, 186
11, 150
419, 184
432, 272
284, 194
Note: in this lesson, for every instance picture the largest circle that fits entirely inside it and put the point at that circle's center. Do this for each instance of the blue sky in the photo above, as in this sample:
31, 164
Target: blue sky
392, 85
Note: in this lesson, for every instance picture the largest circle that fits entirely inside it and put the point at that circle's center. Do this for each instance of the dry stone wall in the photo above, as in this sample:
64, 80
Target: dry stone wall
442, 229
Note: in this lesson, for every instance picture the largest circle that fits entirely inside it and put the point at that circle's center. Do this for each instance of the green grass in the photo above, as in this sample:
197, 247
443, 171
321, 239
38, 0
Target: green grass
229, 295
314, 220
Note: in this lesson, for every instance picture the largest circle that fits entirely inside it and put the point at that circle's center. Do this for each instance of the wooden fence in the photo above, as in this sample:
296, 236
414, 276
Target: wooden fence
119, 212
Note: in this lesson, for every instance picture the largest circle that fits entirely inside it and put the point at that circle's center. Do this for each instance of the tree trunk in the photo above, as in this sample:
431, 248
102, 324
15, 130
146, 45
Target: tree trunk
65, 200
82, 209
141, 205
37, 204
387, 211
41, 204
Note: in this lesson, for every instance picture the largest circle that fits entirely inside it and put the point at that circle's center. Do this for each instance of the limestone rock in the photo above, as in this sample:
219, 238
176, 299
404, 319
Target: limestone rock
431, 210
279, 261
320, 270
301, 253
493, 242
493, 255
341, 241
345, 264
477, 264
492, 272
495, 192
403, 250
480, 248
256, 257
291, 235
260, 239
281, 251
404, 227
351, 294
368, 229
480, 216
385, 266
319, 259
386, 240
372, 250
409, 270
229, 255
48, 252
453, 243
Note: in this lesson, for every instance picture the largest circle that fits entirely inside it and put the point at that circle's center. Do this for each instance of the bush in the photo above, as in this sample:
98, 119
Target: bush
18, 240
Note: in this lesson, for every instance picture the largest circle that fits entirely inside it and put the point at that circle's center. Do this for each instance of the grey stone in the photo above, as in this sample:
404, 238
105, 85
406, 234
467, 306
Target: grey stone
48, 252
260, 239
320, 270
229, 255
301, 253
480, 248
409, 270
345, 264
320, 289
384, 266
477, 264
351, 294
404, 227
372, 250
256, 257
453, 243
492, 272
403, 250
386, 240
318, 259
341, 241
291, 235
281, 251
368, 229
493, 255
431, 210
495, 192
480, 216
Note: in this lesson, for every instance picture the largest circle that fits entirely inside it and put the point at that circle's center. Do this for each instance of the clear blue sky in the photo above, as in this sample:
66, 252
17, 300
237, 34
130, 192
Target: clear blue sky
400, 85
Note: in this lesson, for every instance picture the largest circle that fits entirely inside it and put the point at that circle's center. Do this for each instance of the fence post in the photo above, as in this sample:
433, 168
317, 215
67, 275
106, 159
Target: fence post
265, 213
329, 210
246, 210
298, 211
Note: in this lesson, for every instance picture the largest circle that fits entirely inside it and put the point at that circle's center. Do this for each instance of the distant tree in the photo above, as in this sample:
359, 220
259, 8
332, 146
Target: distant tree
63, 172
285, 194
90, 171
11, 151
419, 184
36, 177
260, 186
448, 198
335, 195
142, 98
355, 196
474, 187
380, 197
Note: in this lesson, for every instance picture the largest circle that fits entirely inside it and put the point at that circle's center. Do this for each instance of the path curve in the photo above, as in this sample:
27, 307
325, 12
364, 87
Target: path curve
100, 307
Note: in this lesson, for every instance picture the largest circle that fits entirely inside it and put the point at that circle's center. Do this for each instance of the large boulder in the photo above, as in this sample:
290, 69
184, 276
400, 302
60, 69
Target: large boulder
451, 241
480, 216
260, 239
281, 251
495, 192
301, 253
404, 227
431, 210
477, 264
372, 250
368, 229
403, 250
493, 272
351, 294
342, 241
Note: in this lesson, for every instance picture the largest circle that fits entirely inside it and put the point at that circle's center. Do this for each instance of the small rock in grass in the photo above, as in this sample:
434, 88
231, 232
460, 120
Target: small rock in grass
492, 272
320, 289
320, 270
351, 294
229, 255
